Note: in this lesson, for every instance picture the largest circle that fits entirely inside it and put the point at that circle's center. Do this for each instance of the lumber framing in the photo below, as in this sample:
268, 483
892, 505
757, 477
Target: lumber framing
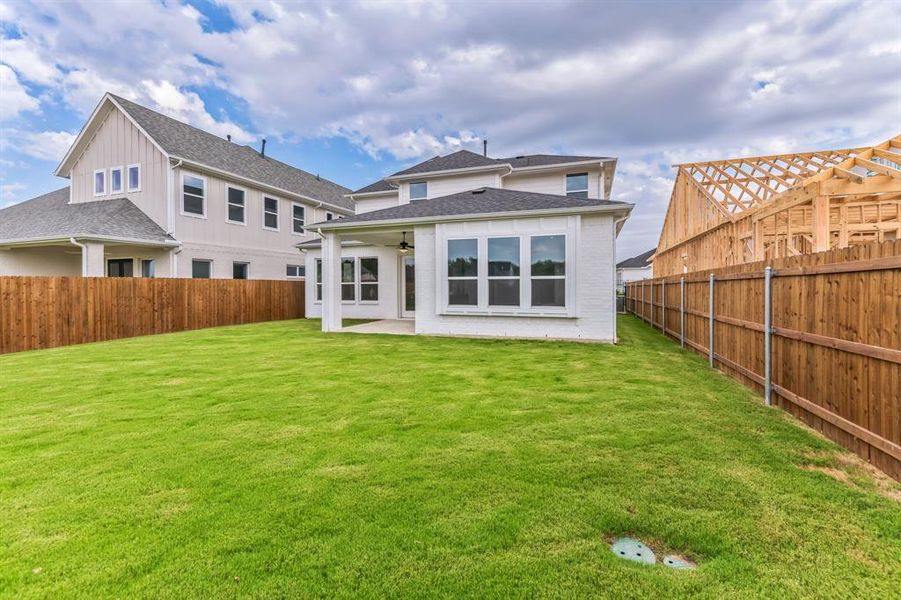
733, 211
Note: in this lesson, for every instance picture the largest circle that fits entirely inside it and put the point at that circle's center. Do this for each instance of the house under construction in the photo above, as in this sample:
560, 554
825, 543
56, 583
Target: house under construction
729, 212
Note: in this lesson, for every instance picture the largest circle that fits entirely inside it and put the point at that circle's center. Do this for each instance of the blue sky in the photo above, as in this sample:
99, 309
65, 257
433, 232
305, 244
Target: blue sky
354, 91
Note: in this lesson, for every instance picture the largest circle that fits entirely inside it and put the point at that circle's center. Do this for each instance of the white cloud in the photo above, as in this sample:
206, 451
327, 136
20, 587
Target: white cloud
23, 57
10, 193
188, 107
42, 145
14, 98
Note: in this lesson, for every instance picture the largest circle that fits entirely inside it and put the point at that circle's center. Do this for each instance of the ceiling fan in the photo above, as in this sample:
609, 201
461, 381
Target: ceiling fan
404, 247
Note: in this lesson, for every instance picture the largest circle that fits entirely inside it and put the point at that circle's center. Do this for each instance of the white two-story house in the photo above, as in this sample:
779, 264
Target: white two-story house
150, 196
465, 244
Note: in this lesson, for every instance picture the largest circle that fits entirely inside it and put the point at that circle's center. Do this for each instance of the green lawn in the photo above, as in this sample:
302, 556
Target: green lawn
271, 460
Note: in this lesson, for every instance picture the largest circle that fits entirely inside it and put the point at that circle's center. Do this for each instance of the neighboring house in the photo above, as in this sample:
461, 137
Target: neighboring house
464, 244
151, 196
634, 269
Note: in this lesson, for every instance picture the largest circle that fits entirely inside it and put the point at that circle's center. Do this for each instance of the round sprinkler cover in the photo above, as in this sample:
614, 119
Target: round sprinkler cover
632, 549
677, 562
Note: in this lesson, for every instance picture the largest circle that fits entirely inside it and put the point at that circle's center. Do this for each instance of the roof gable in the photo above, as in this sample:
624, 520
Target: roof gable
637, 262
461, 159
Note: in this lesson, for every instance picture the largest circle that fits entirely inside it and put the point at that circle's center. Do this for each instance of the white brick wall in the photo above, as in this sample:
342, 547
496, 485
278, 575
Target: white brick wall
594, 285
385, 308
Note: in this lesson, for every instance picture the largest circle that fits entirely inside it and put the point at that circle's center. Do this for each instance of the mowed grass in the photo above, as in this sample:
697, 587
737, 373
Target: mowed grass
271, 460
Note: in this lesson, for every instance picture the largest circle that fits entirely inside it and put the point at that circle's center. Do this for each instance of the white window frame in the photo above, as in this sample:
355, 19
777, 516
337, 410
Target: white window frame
121, 180
447, 278
181, 193
298, 267
228, 204
361, 283
489, 277
206, 260
567, 191
303, 224
317, 280
278, 219
128, 177
94, 182
354, 283
566, 259
410, 190
239, 262
525, 234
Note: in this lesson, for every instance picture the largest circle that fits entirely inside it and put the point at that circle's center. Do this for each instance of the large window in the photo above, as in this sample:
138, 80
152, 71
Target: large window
100, 182
295, 271
577, 185
134, 178
298, 214
270, 213
115, 180
193, 195
318, 280
419, 190
236, 205
548, 270
120, 267
463, 272
369, 279
503, 271
201, 269
348, 280
240, 270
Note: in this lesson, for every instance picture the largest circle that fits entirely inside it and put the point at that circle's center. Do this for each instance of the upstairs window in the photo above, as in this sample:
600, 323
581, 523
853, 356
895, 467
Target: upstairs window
236, 205
115, 180
134, 178
270, 213
577, 185
419, 190
193, 195
463, 272
100, 182
298, 215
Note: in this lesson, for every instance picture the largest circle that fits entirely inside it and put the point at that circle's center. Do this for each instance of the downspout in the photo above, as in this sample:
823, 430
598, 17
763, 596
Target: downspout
616, 222
170, 198
84, 257
173, 268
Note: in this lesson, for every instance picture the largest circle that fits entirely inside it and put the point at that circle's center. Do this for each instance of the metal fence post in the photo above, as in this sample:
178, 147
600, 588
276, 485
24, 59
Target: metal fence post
768, 335
710, 343
663, 306
682, 312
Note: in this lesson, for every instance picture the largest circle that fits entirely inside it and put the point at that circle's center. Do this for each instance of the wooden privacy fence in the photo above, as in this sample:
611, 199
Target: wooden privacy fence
819, 335
45, 312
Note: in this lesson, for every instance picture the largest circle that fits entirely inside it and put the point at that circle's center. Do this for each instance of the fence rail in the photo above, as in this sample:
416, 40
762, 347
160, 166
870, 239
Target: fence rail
819, 335
46, 312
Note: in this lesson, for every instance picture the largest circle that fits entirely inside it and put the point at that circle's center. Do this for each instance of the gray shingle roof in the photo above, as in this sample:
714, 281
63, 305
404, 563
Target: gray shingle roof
52, 217
461, 159
464, 159
474, 202
195, 145
379, 186
637, 262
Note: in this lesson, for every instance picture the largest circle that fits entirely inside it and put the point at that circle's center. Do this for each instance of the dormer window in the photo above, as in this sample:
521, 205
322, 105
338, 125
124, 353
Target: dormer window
419, 190
115, 180
100, 182
577, 185
134, 178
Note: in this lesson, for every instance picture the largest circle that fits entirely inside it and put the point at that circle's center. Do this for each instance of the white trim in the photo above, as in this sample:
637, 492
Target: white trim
567, 165
303, 227
228, 204
298, 277
94, 183
181, 195
425, 174
89, 237
360, 283
567, 191
206, 260
278, 213
557, 212
318, 277
128, 177
121, 180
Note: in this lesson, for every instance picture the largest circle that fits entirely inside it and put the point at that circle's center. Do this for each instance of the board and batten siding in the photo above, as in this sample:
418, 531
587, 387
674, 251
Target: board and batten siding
553, 182
595, 317
369, 204
118, 143
452, 184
